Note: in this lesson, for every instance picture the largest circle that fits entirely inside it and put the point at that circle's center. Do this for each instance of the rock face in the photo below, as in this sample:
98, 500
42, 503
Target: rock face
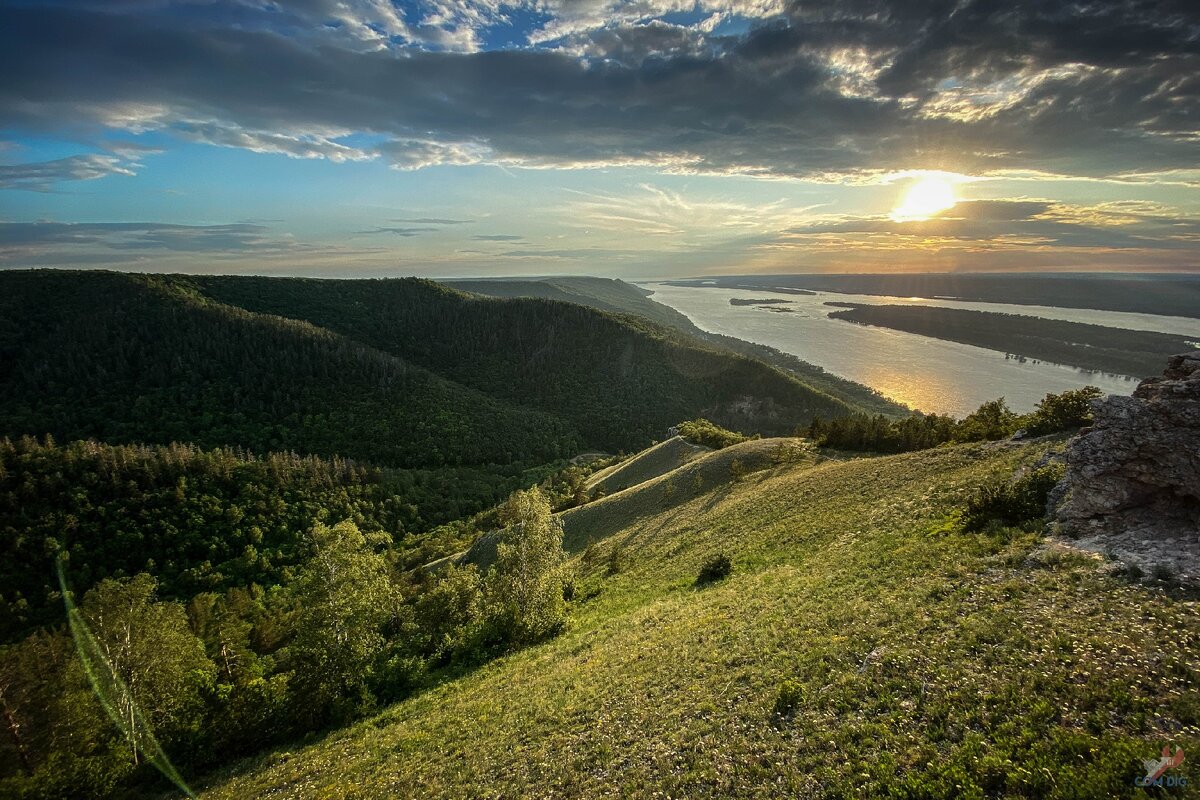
1132, 486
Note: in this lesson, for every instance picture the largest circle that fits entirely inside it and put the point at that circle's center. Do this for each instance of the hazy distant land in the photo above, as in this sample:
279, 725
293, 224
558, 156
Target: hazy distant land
1093, 347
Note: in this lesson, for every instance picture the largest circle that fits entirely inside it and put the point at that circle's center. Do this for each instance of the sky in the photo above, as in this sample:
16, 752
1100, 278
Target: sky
644, 140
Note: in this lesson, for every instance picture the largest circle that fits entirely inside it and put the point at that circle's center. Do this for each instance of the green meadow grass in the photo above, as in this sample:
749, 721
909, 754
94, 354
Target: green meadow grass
861, 647
650, 463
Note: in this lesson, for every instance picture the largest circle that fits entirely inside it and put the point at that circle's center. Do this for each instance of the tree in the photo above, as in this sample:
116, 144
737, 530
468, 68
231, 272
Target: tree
448, 612
346, 597
1063, 412
524, 589
992, 420
154, 653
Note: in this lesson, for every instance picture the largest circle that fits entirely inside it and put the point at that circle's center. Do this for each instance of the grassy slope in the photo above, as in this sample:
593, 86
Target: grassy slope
930, 663
651, 462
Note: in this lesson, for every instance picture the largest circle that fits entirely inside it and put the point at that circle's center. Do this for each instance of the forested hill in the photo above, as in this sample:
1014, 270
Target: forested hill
619, 381
607, 294
129, 358
397, 372
610, 294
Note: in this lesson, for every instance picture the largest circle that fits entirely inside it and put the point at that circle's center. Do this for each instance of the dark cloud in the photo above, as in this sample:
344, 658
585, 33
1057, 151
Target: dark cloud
1001, 210
1090, 88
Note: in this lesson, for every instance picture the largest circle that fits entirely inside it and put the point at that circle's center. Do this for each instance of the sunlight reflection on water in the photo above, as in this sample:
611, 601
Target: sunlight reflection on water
922, 372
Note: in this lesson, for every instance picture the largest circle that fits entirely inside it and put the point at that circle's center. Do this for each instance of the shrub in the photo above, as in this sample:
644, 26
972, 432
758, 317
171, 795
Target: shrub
447, 613
1012, 502
1062, 412
714, 569
709, 434
791, 695
992, 420
616, 562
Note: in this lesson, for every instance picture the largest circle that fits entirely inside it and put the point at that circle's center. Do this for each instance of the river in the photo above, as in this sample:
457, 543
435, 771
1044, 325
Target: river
929, 374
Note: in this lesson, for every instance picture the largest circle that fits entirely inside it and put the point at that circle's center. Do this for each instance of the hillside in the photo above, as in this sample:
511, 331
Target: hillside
606, 294
863, 646
620, 381
398, 372
662, 457
146, 359
615, 295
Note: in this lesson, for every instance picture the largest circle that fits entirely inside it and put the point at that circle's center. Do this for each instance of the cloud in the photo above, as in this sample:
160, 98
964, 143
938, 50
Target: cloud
294, 145
654, 211
497, 237
813, 90
43, 175
1024, 225
396, 231
436, 221
112, 242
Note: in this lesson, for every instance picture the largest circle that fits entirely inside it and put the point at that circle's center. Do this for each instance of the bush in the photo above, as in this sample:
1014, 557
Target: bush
709, 434
716, 568
1014, 502
791, 695
992, 420
1062, 412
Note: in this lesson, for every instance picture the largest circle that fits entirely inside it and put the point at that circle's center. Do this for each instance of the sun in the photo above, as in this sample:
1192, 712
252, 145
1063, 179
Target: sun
926, 198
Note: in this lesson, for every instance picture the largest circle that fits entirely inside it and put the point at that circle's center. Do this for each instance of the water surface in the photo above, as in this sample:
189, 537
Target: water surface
925, 373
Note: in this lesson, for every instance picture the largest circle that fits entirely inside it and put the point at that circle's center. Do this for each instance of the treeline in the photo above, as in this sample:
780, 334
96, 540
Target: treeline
229, 673
208, 520
1092, 347
991, 421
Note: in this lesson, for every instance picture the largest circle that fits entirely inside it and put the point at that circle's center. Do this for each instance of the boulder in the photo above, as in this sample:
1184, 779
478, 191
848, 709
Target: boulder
1132, 484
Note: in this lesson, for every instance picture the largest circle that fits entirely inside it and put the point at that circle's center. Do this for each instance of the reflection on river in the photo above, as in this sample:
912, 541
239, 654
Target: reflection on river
929, 374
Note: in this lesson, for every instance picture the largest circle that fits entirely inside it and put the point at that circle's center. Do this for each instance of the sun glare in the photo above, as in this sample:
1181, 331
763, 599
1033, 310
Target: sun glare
924, 199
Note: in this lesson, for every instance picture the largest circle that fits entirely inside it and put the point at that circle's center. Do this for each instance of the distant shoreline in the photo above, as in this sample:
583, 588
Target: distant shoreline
1091, 347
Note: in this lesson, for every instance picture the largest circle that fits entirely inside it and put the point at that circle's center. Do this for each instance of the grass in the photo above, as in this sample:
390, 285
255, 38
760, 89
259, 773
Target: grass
862, 646
709, 472
650, 463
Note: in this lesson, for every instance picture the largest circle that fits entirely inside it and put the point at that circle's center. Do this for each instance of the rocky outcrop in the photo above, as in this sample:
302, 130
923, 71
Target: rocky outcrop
1132, 485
